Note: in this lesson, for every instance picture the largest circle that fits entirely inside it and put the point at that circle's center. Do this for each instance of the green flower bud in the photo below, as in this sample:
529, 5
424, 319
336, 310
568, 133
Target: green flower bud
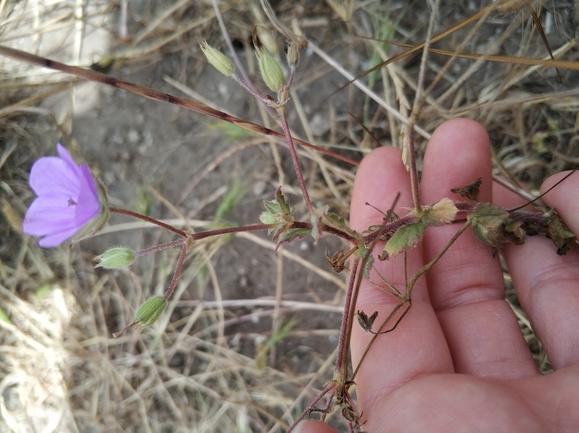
147, 314
115, 258
218, 60
270, 71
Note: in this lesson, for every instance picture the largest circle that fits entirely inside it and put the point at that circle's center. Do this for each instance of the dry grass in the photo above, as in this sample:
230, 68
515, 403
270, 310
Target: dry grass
250, 334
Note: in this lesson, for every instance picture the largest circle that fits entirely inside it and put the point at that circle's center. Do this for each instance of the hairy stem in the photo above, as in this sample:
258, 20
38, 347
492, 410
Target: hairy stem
225, 231
346, 327
283, 117
329, 387
160, 247
148, 219
177, 272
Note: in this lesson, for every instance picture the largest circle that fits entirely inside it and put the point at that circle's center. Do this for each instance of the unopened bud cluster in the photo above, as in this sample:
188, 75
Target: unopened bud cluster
270, 70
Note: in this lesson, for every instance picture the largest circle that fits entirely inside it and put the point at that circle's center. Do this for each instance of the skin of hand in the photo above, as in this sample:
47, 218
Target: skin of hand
458, 361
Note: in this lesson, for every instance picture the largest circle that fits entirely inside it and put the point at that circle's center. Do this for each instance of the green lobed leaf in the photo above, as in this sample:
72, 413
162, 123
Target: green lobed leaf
405, 238
290, 235
284, 207
272, 206
269, 218
335, 221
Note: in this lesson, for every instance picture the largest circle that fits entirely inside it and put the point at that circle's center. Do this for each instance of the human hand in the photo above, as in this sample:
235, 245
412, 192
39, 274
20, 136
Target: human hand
458, 361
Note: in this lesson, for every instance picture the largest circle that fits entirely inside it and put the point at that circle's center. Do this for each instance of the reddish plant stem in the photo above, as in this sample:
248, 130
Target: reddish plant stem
160, 247
530, 217
155, 95
329, 387
414, 183
253, 228
148, 219
225, 231
283, 117
346, 325
177, 272
390, 228
265, 99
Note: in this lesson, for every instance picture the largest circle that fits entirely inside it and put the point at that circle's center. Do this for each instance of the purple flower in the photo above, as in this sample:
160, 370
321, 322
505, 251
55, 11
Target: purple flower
69, 200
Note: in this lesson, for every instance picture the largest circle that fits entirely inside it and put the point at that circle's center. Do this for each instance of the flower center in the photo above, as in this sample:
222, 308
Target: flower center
71, 202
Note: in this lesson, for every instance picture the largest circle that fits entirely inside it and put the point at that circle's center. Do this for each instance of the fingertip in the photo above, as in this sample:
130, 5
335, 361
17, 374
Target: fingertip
380, 177
458, 152
563, 197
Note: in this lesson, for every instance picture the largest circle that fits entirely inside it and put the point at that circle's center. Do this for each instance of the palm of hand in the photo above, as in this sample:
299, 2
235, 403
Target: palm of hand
458, 361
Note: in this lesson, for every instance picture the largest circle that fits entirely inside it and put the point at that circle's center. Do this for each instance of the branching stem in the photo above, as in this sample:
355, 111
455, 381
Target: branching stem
178, 268
148, 219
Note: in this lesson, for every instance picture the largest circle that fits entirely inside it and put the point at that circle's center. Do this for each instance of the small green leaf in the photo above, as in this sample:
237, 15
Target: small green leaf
338, 223
290, 235
405, 238
269, 218
337, 219
284, 207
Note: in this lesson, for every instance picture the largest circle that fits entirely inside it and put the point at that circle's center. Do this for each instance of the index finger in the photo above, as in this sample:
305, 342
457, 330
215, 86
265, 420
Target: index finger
417, 346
